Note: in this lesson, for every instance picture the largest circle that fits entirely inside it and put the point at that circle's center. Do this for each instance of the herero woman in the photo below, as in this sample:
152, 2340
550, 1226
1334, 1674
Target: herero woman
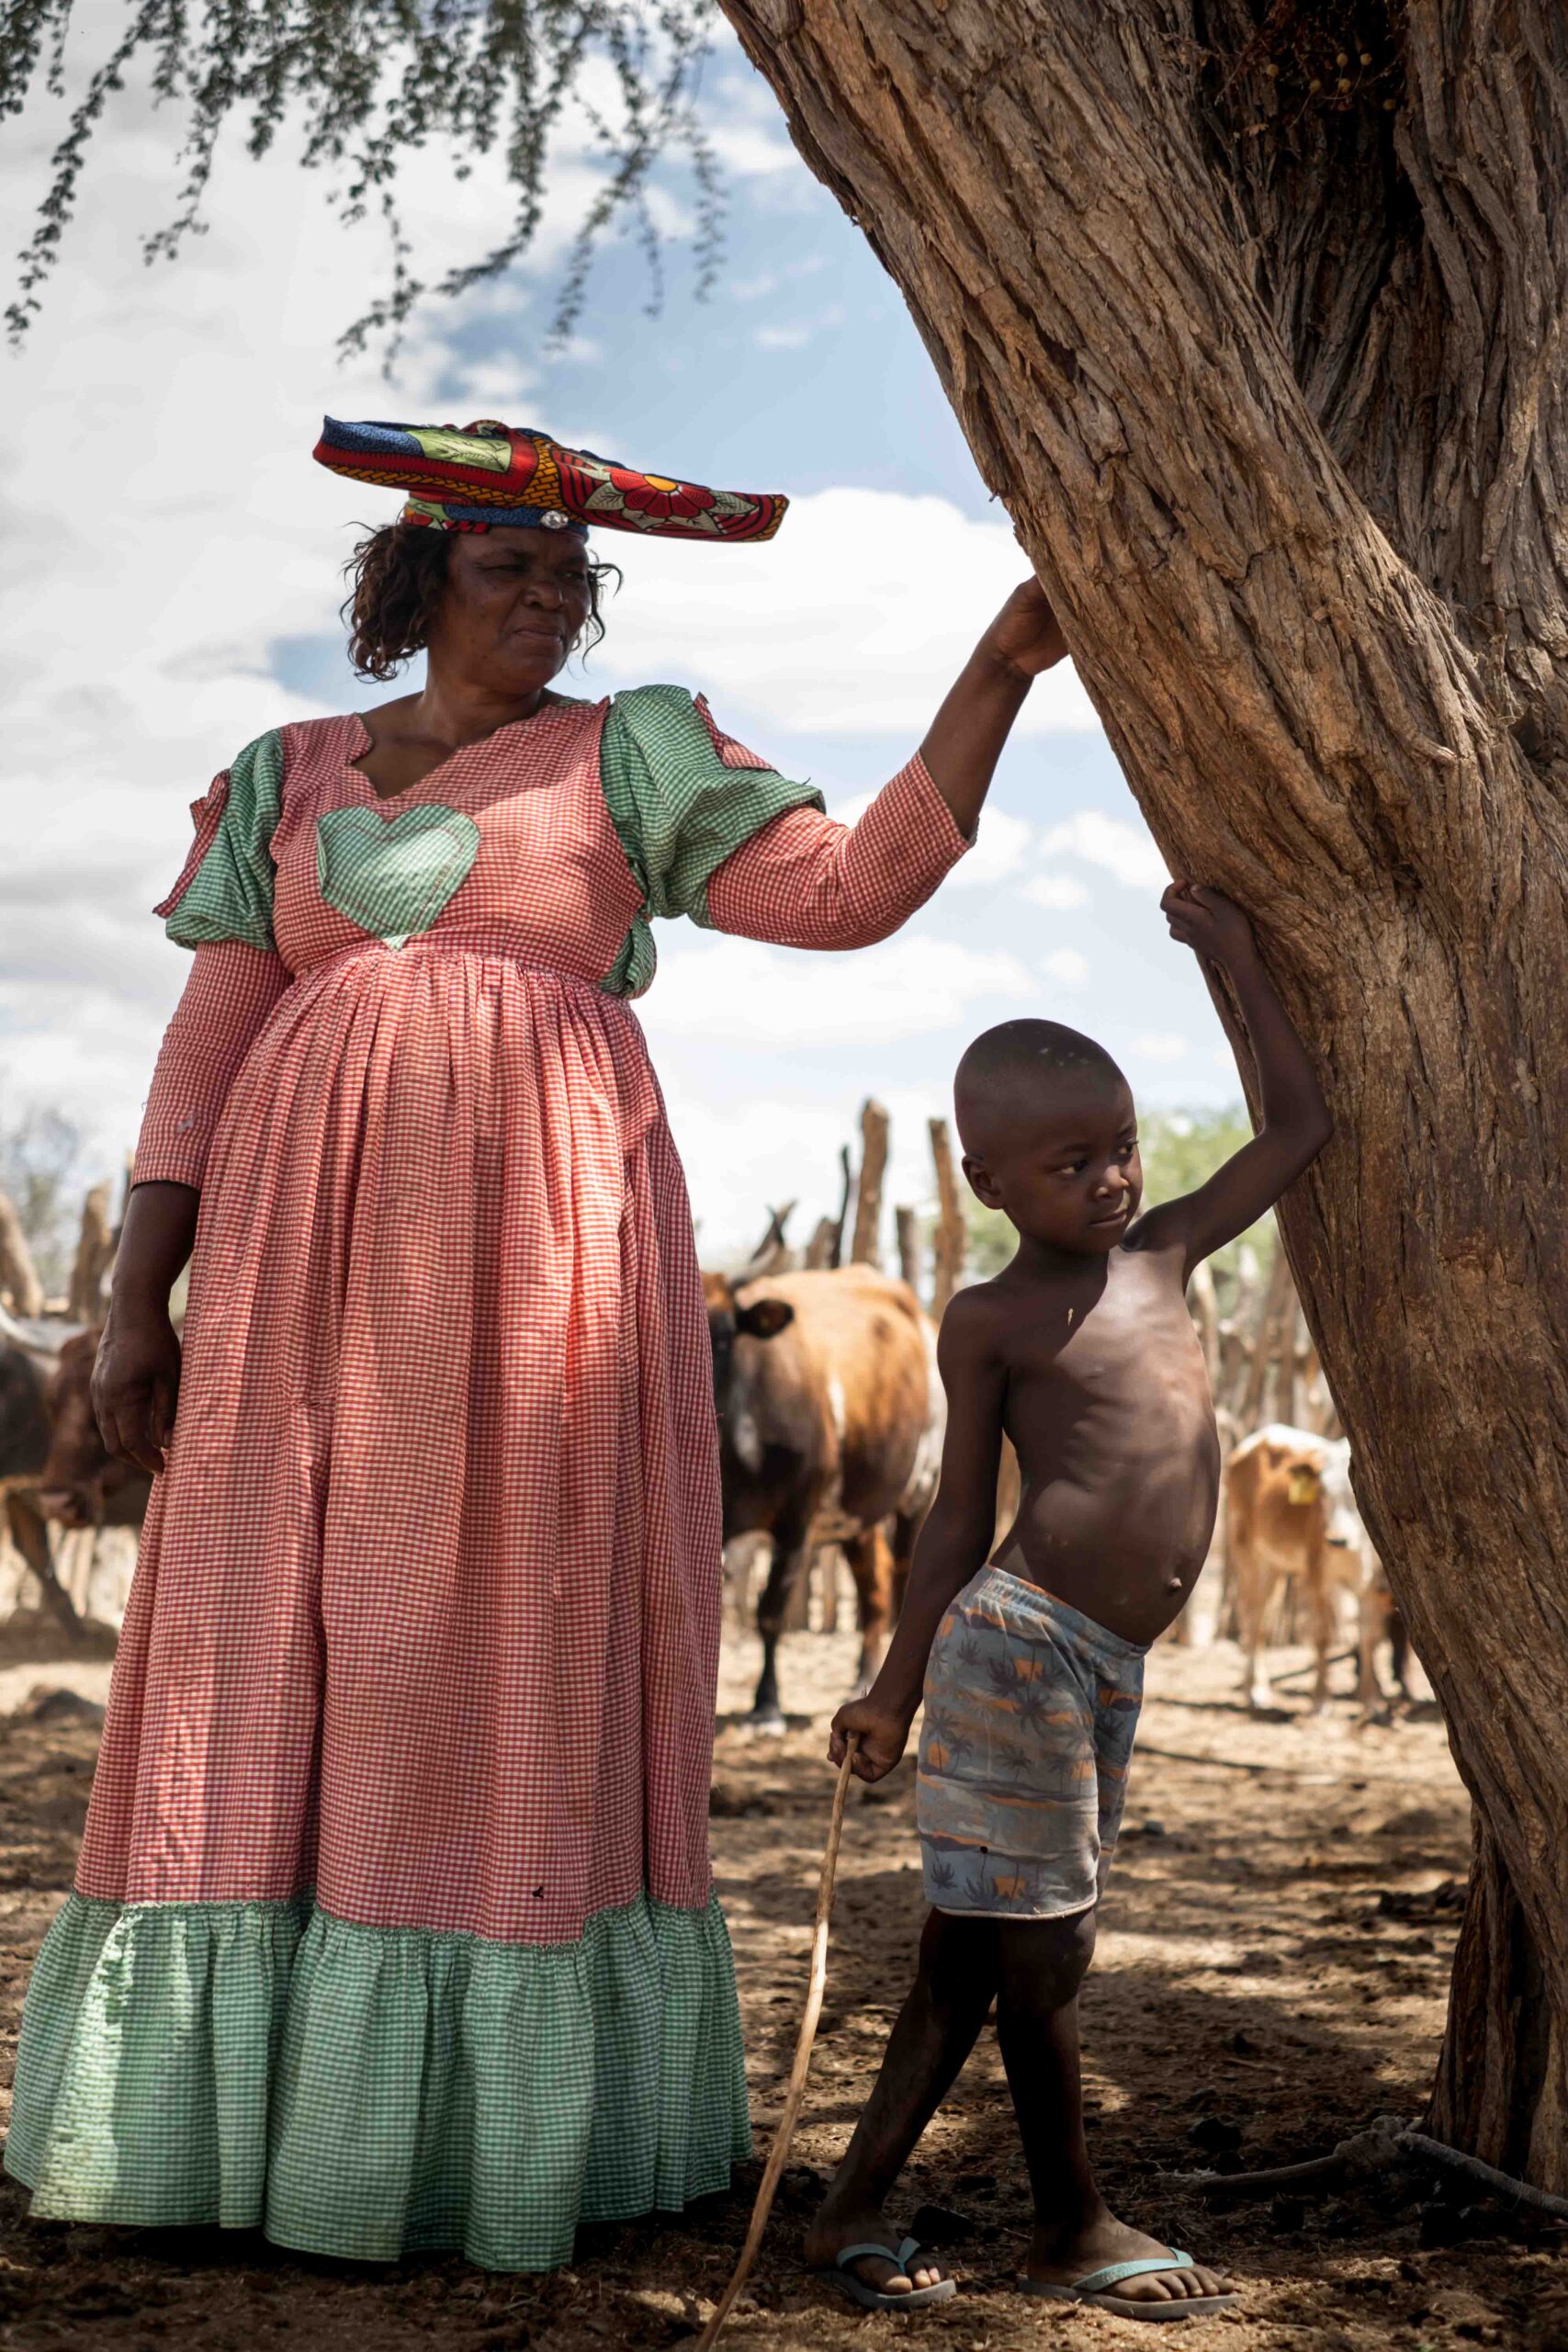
394, 1924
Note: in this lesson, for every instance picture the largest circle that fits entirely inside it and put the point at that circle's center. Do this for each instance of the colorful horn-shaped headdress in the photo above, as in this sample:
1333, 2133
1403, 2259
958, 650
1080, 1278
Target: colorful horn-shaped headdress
488, 475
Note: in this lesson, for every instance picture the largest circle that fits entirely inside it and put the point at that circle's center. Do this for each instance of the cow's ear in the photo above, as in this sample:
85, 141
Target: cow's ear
765, 1319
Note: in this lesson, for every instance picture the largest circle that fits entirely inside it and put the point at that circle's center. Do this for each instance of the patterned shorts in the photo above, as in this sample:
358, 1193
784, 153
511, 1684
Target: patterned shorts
1030, 1714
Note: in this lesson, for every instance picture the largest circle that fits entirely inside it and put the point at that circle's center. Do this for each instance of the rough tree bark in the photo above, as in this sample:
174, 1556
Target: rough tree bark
1274, 393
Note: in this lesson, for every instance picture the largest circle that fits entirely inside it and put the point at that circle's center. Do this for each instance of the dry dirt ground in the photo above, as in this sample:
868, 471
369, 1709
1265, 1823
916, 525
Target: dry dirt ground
1270, 1975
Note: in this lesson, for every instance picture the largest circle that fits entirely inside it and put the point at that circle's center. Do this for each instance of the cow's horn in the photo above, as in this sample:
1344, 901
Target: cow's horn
39, 1339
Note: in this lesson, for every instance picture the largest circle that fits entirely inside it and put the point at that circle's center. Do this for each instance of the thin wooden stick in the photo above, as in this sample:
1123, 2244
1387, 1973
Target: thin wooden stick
816, 1985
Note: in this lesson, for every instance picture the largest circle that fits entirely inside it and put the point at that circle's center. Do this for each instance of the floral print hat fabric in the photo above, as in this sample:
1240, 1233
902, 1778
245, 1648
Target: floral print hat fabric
489, 475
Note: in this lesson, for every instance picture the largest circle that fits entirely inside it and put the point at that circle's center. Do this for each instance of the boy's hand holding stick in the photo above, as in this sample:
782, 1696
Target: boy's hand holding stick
816, 1984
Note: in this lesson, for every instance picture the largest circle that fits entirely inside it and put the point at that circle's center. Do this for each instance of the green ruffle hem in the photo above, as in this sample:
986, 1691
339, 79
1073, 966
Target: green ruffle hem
367, 2092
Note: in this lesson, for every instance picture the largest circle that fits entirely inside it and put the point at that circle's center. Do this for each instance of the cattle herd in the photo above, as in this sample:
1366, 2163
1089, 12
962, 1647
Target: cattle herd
830, 1422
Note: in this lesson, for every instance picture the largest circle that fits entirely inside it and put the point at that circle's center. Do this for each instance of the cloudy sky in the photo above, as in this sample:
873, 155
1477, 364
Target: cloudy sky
171, 591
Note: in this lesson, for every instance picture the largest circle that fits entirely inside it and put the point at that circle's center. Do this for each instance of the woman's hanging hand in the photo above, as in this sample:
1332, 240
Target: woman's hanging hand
1026, 635
136, 1379
136, 1384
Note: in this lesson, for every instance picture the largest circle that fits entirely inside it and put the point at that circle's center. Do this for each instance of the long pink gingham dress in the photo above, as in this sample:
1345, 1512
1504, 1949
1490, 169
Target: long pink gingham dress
427, 1610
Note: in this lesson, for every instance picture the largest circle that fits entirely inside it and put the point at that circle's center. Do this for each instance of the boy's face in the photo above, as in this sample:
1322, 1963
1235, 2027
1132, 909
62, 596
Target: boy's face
1064, 1172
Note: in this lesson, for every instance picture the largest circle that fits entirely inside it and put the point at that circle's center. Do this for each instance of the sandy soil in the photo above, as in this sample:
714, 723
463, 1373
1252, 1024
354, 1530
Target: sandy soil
1271, 1974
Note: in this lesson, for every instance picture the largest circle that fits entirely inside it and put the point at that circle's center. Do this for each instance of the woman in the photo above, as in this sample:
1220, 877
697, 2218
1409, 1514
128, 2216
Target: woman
394, 1924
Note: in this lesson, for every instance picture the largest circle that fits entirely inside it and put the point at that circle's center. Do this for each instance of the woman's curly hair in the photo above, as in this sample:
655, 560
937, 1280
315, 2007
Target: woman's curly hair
400, 576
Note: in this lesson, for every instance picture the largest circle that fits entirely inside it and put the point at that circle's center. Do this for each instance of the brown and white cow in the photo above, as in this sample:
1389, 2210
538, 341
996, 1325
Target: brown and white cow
1290, 1517
832, 1418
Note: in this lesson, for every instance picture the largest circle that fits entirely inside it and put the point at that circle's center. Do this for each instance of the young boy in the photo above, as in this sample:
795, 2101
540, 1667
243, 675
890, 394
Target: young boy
1082, 1350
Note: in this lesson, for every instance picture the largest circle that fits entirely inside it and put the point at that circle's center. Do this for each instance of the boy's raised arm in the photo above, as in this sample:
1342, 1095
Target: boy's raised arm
955, 1543
1295, 1118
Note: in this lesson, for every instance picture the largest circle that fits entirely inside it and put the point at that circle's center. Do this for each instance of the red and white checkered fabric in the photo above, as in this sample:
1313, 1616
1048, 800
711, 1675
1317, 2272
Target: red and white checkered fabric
426, 1614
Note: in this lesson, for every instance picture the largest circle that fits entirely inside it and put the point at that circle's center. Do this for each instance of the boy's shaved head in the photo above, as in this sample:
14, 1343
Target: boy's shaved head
1021, 1070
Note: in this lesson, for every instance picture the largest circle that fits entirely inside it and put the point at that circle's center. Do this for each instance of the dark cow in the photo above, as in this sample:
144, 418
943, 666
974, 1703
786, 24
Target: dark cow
53, 1465
82, 1484
26, 1362
830, 1425
24, 1449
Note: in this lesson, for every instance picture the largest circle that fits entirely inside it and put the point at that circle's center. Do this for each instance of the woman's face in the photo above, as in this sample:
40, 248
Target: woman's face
516, 603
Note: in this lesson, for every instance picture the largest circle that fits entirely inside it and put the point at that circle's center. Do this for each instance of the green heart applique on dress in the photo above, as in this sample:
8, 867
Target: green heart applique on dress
392, 875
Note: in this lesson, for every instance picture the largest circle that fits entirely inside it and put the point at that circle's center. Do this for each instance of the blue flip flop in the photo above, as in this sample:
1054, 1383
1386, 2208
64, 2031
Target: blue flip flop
1091, 2288
872, 2299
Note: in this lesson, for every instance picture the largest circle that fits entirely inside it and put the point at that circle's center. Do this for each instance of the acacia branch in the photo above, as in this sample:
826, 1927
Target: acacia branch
367, 84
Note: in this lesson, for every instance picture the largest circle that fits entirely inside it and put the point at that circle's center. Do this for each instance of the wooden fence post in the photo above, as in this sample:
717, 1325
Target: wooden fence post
95, 1255
909, 1229
1275, 1322
952, 1239
19, 1285
1204, 1306
867, 1247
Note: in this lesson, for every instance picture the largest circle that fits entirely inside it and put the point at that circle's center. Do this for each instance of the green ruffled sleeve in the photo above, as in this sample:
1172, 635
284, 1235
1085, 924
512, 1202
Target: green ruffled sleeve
225, 891
683, 797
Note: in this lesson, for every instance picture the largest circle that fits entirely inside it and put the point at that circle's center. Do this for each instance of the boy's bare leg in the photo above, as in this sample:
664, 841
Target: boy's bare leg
936, 2029
1042, 1966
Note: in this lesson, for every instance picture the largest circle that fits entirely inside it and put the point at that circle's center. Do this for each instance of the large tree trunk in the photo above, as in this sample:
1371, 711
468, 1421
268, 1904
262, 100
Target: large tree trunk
1273, 393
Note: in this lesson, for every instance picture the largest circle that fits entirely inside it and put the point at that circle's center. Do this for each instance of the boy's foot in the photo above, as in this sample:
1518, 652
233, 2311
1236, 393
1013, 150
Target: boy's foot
827, 2238
1055, 2260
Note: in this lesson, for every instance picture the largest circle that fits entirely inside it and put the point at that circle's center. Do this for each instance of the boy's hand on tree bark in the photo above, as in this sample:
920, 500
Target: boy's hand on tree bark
883, 1732
1206, 921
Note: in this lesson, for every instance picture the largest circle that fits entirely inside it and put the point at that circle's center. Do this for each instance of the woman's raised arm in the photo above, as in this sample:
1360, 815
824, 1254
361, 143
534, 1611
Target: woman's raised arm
804, 881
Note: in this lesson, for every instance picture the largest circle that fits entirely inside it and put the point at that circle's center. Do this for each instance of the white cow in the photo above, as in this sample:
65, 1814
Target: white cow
1291, 1515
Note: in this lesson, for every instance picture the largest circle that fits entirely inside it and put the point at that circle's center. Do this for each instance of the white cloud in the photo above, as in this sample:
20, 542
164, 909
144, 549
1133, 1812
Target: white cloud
745, 1157
1066, 967
834, 626
758, 1151
1160, 1046
1124, 851
783, 338
1001, 848
740, 991
851, 811
750, 150
1059, 892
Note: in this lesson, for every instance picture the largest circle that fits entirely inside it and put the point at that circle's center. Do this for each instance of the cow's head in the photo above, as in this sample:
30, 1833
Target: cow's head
729, 1321
80, 1479
1303, 1481
1317, 1474
1345, 1527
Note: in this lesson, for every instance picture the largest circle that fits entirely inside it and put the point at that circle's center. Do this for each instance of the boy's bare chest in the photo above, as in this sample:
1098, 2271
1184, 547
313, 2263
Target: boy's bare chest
1131, 1352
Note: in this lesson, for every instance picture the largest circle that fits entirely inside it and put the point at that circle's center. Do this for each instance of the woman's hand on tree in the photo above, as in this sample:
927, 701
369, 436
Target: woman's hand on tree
136, 1386
1025, 635
881, 1732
